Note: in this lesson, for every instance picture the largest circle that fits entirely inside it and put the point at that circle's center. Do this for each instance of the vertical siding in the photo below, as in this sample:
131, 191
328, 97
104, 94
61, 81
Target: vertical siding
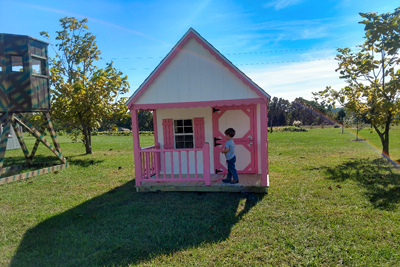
195, 75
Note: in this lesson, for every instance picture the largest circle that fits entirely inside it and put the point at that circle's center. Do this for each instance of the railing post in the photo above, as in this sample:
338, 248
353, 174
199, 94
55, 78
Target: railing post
206, 164
195, 165
187, 164
180, 164
148, 162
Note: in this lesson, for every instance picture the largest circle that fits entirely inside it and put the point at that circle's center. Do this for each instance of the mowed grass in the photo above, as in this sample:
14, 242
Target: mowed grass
331, 202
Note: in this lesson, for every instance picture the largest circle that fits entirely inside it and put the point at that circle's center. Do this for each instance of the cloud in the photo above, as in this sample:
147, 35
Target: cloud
297, 79
299, 29
280, 4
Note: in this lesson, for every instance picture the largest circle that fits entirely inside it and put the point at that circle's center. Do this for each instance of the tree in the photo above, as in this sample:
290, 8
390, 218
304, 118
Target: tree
82, 95
372, 74
354, 120
340, 117
145, 119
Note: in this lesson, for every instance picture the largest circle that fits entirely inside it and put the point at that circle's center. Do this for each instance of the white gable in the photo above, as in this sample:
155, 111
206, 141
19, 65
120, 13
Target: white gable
195, 75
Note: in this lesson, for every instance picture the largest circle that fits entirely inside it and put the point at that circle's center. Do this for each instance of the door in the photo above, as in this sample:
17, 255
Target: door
242, 119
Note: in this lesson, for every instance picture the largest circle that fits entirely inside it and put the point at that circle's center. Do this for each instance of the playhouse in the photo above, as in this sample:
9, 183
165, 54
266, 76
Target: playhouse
195, 93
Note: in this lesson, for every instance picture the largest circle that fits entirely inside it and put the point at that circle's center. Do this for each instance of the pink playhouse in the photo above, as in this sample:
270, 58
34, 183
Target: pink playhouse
195, 93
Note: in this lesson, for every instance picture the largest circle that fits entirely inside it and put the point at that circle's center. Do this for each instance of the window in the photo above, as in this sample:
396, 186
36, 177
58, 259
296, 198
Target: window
38, 66
183, 130
16, 64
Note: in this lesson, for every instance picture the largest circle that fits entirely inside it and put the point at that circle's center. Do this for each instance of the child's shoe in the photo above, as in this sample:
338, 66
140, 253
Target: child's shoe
234, 181
226, 180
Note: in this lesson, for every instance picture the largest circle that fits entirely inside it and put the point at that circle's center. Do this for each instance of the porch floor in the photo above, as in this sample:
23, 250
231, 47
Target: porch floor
247, 183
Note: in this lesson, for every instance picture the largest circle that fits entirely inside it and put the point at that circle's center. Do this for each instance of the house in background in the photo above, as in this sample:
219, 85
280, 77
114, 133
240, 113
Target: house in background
195, 94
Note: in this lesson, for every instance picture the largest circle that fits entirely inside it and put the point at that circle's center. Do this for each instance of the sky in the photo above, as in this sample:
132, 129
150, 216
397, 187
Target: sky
287, 47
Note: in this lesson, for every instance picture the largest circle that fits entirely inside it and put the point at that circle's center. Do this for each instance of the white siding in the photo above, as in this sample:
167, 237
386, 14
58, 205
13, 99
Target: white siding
195, 75
186, 113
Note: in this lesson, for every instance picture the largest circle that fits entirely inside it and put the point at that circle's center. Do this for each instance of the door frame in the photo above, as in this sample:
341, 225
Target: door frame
252, 114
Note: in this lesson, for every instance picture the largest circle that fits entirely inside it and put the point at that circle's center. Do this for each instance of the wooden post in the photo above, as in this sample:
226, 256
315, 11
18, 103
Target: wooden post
206, 164
264, 144
136, 147
21, 142
4, 137
187, 163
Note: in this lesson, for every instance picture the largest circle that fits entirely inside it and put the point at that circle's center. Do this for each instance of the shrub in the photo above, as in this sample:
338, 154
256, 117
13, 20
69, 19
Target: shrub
297, 123
74, 134
95, 132
293, 129
61, 133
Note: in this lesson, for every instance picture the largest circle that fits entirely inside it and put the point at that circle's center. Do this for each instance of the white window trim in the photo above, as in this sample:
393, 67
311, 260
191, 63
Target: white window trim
183, 134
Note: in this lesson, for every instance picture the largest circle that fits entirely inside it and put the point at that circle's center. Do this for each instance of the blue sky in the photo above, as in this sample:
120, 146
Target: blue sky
286, 46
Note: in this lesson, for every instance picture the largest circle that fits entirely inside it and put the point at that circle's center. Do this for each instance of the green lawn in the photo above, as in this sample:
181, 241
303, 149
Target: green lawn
331, 202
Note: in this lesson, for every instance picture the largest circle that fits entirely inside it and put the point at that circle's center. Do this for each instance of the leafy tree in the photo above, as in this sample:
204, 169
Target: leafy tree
145, 119
372, 74
82, 94
356, 121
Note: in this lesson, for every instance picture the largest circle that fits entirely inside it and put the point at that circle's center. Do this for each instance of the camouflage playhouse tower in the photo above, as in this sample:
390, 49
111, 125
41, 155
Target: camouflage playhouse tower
24, 89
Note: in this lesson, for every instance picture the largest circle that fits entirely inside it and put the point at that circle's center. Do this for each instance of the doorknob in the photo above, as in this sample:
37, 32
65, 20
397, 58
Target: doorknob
250, 137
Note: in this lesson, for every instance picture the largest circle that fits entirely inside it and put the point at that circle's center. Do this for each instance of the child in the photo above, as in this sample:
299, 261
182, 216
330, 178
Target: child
229, 152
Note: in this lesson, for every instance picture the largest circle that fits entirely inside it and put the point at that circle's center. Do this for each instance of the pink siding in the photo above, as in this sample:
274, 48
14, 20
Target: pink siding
168, 133
199, 133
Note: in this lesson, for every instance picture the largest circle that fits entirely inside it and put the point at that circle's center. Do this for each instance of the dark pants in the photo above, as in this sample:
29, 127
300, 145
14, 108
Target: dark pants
232, 169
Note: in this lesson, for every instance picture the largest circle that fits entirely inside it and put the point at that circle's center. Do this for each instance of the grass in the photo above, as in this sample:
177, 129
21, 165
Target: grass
331, 202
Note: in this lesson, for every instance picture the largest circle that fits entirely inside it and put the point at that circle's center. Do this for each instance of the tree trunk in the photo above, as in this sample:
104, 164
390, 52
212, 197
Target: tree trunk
87, 140
384, 139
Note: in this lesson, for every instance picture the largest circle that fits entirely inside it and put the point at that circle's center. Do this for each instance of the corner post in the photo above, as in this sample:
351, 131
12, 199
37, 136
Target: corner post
264, 144
136, 147
206, 164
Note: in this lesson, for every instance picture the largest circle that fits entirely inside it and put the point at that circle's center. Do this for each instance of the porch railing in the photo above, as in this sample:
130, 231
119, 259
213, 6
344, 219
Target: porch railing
154, 164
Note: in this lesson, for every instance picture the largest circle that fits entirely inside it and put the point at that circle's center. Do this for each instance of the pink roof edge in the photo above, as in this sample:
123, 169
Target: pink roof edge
191, 33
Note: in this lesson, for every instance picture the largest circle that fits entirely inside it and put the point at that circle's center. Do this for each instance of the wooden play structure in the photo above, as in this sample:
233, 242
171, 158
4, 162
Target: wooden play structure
195, 93
24, 89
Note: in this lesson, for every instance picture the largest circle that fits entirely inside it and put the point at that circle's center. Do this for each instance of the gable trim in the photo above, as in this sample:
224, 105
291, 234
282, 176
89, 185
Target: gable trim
191, 33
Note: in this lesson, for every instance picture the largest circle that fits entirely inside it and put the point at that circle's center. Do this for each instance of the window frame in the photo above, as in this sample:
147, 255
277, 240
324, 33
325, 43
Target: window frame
184, 134
43, 67
22, 63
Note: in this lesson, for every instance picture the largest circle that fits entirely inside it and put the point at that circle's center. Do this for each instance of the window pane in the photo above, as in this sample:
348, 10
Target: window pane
179, 138
188, 130
180, 144
188, 144
38, 66
188, 122
16, 64
189, 138
178, 129
179, 122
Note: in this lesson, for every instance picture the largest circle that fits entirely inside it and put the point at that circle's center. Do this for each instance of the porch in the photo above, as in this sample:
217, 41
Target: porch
187, 170
247, 183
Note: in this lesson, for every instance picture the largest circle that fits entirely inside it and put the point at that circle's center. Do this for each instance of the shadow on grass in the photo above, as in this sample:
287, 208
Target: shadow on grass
10, 161
377, 176
123, 227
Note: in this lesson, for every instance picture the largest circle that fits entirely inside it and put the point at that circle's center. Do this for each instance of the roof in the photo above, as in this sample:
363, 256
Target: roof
191, 33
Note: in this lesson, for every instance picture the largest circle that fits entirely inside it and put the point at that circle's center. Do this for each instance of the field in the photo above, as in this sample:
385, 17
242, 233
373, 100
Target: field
331, 202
